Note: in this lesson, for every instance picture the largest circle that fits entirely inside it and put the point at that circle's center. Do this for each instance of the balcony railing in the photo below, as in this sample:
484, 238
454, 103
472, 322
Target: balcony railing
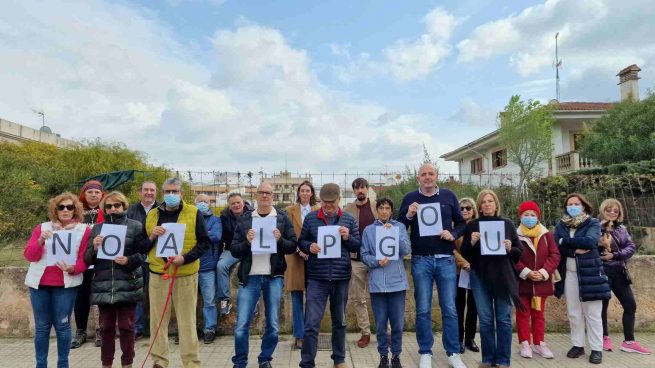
572, 161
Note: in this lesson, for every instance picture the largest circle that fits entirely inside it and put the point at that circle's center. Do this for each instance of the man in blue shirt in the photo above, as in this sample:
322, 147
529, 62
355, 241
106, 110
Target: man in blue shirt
433, 262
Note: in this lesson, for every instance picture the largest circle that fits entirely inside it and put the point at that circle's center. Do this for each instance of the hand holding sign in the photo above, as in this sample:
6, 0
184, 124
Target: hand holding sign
387, 243
59, 248
429, 219
113, 241
264, 240
171, 243
329, 240
492, 236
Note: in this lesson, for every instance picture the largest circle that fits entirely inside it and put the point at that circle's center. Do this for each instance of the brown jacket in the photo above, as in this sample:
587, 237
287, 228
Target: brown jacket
294, 277
459, 260
352, 209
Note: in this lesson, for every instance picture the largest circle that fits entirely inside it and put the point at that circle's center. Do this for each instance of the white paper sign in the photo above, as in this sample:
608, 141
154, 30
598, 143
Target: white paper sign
59, 247
113, 242
171, 243
429, 219
387, 243
492, 234
330, 242
264, 241
464, 279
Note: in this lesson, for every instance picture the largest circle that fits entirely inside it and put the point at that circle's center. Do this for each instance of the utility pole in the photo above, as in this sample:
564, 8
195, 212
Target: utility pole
558, 64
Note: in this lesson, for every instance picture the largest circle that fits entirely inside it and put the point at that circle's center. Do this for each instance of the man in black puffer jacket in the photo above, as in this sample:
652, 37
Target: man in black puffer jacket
327, 277
117, 285
260, 274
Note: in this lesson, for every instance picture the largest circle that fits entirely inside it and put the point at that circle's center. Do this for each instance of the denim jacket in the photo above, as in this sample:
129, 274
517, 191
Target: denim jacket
392, 276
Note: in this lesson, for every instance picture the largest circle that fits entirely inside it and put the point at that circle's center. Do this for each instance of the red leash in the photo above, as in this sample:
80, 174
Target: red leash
168, 299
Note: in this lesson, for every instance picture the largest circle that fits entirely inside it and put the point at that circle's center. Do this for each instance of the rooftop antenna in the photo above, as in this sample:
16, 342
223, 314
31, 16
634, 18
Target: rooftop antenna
42, 114
557, 64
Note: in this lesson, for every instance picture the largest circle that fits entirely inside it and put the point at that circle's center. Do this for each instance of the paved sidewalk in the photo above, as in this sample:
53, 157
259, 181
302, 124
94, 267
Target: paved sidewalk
19, 353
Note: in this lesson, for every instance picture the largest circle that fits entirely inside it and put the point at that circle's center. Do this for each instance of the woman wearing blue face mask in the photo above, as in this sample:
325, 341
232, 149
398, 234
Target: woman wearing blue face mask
537, 270
583, 279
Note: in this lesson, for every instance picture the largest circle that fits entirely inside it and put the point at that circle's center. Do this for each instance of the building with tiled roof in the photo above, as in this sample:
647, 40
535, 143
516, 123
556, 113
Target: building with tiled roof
484, 162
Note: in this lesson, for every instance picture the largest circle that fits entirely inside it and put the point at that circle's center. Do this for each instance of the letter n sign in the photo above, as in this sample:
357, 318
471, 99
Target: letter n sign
60, 248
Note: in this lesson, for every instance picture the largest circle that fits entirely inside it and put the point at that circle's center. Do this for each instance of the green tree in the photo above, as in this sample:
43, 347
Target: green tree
625, 134
525, 132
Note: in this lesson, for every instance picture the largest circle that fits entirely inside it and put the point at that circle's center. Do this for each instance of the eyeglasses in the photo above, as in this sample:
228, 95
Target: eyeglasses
262, 193
172, 191
616, 212
108, 206
467, 208
62, 207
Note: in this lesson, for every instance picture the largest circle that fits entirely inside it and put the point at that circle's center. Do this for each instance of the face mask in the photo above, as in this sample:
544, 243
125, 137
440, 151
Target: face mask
203, 207
573, 211
529, 222
172, 200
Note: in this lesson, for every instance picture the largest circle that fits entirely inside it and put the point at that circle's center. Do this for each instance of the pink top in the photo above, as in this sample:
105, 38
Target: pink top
53, 275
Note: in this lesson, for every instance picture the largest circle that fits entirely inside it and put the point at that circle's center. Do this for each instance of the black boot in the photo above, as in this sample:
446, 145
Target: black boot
471, 345
596, 357
79, 339
575, 352
384, 362
395, 362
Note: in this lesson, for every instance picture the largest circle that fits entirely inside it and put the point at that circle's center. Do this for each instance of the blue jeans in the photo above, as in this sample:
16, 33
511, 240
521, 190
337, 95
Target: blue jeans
427, 270
495, 327
139, 315
389, 308
247, 296
207, 286
298, 314
225, 263
318, 293
52, 306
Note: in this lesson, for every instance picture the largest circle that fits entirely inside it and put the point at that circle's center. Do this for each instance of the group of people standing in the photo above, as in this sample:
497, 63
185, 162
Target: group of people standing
584, 259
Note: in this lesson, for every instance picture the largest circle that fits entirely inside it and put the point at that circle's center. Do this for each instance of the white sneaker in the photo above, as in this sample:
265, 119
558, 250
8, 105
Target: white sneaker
525, 351
455, 361
426, 361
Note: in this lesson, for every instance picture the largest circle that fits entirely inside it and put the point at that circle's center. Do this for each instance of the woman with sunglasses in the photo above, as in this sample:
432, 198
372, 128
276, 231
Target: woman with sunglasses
468, 325
53, 288
617, 248
117, 284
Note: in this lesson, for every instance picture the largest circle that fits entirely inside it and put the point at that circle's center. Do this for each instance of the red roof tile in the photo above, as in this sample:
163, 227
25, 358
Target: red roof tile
584, 106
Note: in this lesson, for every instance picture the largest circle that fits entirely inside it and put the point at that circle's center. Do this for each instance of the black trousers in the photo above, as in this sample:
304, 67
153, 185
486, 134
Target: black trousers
83, 301
621, 288
468, 325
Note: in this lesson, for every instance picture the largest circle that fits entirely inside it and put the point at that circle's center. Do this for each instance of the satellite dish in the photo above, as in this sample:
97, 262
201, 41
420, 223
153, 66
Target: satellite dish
46, 129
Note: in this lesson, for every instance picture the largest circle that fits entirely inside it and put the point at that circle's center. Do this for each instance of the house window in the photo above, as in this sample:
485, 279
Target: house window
476, 166
499, 158
577, 139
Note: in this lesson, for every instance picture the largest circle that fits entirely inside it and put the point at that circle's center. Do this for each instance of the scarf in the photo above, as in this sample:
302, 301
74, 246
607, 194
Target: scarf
574, 222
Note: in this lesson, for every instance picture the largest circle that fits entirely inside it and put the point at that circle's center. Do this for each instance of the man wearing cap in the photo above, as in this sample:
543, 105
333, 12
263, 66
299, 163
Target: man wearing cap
433, 262
327, 277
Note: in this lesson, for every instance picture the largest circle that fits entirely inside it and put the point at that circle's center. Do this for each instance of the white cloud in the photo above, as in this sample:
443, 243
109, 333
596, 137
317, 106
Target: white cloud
474, 115
593, 33
415, 59
115, 71
405, 60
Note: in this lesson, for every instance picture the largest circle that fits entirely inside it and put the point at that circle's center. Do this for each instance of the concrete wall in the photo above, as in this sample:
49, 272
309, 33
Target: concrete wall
16, 318
18, 133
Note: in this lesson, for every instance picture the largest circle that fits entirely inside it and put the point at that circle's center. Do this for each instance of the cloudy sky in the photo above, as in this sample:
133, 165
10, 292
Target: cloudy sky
331, 85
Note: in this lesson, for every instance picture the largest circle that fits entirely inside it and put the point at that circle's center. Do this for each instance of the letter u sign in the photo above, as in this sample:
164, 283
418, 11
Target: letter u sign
492, 234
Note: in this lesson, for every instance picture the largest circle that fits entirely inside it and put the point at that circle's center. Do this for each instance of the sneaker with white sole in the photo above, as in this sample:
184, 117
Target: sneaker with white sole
543, 350
425, 361
634, 347
455, 361
525, 351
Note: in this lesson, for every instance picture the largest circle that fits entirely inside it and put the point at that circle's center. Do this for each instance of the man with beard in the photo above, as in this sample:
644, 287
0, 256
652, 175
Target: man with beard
363, 209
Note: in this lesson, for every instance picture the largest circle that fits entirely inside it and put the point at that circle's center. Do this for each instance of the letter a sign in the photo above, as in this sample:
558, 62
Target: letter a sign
387, 243
171, 243
59, 247
492, 234
330, 242
113, 242
429, 219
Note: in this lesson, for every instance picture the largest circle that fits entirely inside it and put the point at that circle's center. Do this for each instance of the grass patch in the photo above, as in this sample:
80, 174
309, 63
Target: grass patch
12, 255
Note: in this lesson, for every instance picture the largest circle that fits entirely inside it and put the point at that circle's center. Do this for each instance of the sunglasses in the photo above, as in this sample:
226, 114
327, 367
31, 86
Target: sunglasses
69, 207
108, 206
467, 208
616, 212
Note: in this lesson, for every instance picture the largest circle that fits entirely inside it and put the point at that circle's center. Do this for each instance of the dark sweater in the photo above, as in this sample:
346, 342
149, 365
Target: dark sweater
451, 219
